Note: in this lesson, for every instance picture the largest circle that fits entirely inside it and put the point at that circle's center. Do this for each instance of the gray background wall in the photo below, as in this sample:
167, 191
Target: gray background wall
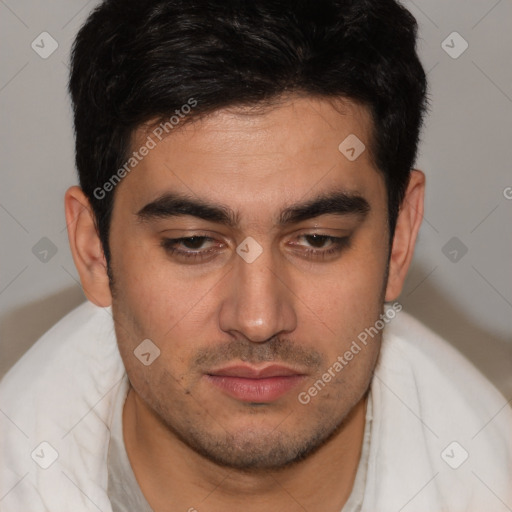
466, 153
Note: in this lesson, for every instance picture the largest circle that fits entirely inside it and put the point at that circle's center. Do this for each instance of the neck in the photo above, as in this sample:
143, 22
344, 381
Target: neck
169, 472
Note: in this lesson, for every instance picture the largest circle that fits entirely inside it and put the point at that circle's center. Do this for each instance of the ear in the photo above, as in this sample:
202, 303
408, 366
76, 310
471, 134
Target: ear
406, 231
86, 248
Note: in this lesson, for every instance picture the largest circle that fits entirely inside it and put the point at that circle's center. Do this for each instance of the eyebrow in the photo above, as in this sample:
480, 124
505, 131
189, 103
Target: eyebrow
175, 205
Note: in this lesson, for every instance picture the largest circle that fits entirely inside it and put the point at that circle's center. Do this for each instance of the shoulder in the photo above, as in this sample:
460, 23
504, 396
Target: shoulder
56, 402
442, 370
437, 419
76, 339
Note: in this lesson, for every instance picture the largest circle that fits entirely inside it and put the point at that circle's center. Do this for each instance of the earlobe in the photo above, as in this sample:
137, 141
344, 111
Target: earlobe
407, 228
86, 248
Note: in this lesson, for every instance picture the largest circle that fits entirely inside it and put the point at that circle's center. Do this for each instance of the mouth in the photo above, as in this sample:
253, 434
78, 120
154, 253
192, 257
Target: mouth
257, 385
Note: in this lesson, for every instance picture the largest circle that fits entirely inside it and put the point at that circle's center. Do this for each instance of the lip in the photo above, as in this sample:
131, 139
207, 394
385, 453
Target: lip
257, 385
251, 372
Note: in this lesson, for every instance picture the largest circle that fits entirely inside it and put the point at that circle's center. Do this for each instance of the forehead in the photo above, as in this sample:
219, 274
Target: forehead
257, 157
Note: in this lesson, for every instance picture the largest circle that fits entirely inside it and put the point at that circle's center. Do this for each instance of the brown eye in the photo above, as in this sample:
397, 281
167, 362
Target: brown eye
317, 241
188, 248
193, 242
321, 246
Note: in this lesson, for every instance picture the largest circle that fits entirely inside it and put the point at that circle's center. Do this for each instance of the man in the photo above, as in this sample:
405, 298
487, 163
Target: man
246, 216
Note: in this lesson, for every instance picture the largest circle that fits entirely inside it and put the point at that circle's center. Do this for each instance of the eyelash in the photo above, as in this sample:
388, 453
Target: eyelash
169, 245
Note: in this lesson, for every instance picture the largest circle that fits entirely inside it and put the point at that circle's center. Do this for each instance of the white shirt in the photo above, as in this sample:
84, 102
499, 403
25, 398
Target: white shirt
441, 433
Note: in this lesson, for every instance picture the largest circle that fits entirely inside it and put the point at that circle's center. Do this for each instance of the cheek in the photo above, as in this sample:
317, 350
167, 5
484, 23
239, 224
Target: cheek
155, 300
347, 302
351, 291
149, 289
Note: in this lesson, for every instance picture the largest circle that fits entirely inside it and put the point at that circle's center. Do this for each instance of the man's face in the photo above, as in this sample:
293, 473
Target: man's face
289, 301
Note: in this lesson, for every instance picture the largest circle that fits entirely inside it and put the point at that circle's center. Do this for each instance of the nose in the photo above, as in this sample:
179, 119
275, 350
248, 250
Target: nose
259, 302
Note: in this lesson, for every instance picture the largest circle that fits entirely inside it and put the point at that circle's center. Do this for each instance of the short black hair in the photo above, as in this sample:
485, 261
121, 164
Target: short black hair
136, 61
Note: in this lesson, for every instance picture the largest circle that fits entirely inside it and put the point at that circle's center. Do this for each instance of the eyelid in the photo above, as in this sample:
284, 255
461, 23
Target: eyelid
175, 241
306, 232
334, 249
336, 246
330, 238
